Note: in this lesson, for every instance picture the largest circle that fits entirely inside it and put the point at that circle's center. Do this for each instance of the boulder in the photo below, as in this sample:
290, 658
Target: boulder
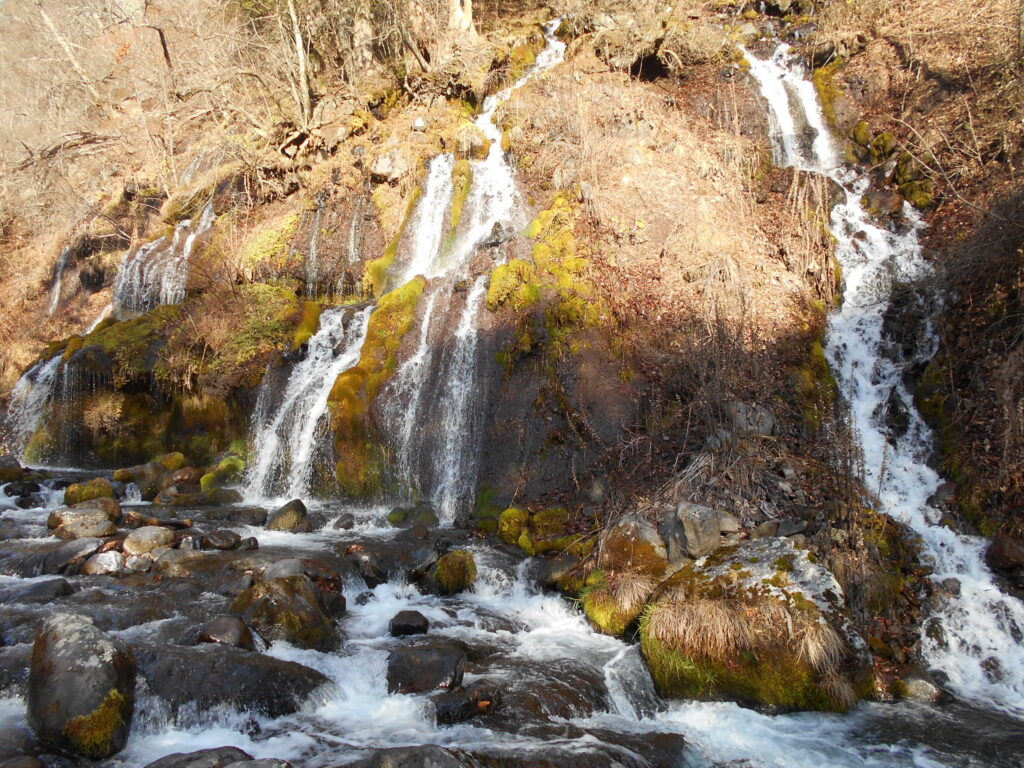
222, 540
389, 167
81, 690
289, 609
1005, 553
94, 489
426, 756
85, 524
210, 675
425, 668
287, 517
10, 469
227, 471
471, 142
104, 564
691, 531
22, 488
254, 516
64, 559
727, 523
229, 630
511, 524
146, 539
918, 685
406, 623
43, 591
266, 762
420, 514
634, 546
204, 758
478, 698
346, 521
750, 420
453, 573
145, 476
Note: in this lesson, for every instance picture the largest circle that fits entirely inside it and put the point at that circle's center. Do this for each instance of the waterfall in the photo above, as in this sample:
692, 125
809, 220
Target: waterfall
30, 398
313, 259
62, 264
285, 440
157, 272
979, 648
426, 229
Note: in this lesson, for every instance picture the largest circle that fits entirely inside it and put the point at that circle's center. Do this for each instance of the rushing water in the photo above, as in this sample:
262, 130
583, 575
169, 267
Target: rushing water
157, 272
30, 397
58, 279
979, 647
285, 442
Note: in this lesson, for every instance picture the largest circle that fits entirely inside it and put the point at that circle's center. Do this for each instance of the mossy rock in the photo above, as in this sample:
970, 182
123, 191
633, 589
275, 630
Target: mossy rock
418, 514
515, 284
288, 609
269, 249
227, 472
454, 572
309, 324
511, 524
607, 613
883, 145
172, 461
861, 134
376, 271
634, 546
920, 194
94, 489
94, 735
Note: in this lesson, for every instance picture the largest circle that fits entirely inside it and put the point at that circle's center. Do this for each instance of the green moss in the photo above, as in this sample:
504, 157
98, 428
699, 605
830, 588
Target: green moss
455, 572
920, 194
360, 457
227, 472
188, 203
816, 386
133, 343
861, 134
602, 609
623, 551
93, 735
270, 248
824, 79
375, 276
309, 324
73, 345
512, 523
172, 461
462, 183
883, 145
525, 543
514, 283
94, 489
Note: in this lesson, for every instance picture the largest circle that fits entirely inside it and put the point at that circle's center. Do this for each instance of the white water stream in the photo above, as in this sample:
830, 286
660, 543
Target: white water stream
58, 279
285, 441
980, 649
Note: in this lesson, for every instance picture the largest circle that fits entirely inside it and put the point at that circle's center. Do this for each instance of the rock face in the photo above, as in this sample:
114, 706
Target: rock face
389, 167
750, 420
212, 675
288, 609
146, 539
425, 668
1005, 553
81, 691
692, 531
287, 517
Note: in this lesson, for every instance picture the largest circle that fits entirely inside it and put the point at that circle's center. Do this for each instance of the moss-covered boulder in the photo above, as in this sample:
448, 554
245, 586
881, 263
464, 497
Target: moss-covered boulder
612, 601
634, 545
81, 688
760, 624
94, 489
145, 476
421, 513
471, 142
511, 524
453, 573
553, 530
287, 517
226, 472
288, 609
172, 461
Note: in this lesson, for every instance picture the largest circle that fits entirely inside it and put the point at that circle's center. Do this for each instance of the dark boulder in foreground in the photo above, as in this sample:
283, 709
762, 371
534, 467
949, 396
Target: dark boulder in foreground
406, 623
1005, 553
479, 698
217, 757
425, 668
81, 688
214, 674
65, 558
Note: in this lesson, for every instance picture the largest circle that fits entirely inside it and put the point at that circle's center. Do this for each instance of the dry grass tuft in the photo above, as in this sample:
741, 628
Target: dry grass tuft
708, 628
630, 590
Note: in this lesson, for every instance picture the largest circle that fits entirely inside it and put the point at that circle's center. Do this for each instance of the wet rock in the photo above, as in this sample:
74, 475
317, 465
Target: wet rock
172, 563
64, 559
266, 762
85, 524
145, 476
918, 685
254, 516
249, 544
92, 509
288, 609
43, 591
138, 563
103, 564
229, 630
204, 758
213, 674
562, 573
471, 142
427, 756
81, 690
344, 522
10, 469
146, 539
478, 698
94, 489
691, 531
31, 501
408, 623
287, 517
425, 668
222, 540
22, 761
22, 488
420, 514
884, 201
453, 573
1005, 553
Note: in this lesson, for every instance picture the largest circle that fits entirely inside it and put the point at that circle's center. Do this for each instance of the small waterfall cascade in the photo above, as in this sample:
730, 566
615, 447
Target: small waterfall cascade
979, 647
157, 272
58, 279
30, 399
286, 439
427, 227
313, 257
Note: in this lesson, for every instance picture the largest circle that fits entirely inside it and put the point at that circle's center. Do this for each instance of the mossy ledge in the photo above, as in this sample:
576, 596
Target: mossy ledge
360, 457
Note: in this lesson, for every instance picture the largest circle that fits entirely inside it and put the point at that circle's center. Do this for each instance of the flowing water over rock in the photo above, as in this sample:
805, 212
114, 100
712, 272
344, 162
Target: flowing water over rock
58, 279
979, 643
157, 272
30, 397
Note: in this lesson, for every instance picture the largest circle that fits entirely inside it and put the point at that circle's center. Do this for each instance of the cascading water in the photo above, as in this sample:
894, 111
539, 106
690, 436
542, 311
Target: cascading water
427, 225
58, 279
979, 648
157, 272
30, 398
286, 441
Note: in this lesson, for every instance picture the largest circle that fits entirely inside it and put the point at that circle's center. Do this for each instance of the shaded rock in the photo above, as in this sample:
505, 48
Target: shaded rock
289, 609
420, 514
918, 685
104, 564
266, 762
408, 623
22, 488
65, 558
426, 756
766, 530
146, 539
197, 676
222, 540
884, 201
1004, 553
138, 563
145, 476
633, 545
478, 698
229, 630
22, 761
425, 668
94, 489
344, 522
749, 419
204, 758
691, 531
727, 523
10, 469
287, 517
43, 591
81, 690
791, 527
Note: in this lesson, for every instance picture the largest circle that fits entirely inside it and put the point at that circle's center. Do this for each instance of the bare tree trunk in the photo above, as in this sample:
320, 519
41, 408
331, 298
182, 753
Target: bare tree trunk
304, 88
460, 17
69, 52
